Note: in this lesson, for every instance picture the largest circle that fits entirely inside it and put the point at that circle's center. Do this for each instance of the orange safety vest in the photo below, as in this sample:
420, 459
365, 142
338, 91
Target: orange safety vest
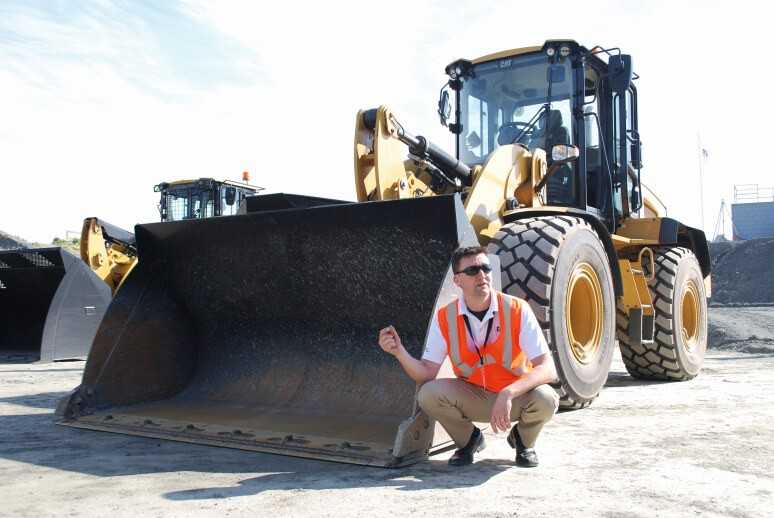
501, 362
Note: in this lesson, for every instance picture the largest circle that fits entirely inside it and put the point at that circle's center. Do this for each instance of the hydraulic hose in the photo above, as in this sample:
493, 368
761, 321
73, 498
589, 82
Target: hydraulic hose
423, 148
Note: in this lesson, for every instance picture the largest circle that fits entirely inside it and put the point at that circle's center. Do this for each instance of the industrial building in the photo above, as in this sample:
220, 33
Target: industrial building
752, 212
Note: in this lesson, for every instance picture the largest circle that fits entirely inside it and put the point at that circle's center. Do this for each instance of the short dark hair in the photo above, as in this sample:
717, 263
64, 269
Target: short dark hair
465, 251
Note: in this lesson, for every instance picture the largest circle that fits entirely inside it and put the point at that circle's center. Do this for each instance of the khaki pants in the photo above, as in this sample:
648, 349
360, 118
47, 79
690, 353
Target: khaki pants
455, 404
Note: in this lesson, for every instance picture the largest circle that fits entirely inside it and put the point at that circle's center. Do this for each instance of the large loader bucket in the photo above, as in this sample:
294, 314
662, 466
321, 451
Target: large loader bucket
50, 304
259, 331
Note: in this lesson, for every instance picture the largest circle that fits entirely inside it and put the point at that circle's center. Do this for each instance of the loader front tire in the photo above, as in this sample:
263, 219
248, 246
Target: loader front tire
680, 338
559, 265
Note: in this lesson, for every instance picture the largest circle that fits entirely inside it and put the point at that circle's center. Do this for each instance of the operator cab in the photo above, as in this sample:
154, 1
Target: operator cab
202, 198
560, 93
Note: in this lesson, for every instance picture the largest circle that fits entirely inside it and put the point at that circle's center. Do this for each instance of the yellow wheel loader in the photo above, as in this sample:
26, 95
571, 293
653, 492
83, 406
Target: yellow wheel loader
258, 331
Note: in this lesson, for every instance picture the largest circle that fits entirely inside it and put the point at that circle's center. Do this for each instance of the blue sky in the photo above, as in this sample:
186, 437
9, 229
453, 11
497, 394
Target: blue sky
102, 100
157, 47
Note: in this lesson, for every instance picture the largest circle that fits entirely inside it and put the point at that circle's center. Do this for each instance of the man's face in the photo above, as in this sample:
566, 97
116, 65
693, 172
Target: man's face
477, 285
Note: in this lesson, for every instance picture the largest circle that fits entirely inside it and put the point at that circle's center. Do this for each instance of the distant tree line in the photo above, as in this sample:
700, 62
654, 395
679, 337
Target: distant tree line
73, 245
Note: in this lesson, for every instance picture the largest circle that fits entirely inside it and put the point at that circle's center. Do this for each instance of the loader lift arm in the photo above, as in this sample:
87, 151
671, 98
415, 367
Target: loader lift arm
109, 250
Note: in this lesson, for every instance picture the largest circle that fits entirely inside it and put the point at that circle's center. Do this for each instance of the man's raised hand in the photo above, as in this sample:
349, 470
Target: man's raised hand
389, 341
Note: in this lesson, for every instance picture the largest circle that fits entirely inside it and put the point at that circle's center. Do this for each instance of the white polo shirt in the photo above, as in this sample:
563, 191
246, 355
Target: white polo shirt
531, 338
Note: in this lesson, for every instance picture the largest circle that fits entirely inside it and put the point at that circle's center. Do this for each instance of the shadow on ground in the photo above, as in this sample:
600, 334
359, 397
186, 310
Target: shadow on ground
429, 475
39, 370
42, 400
624, 379
11, 358
35, 439
20, 357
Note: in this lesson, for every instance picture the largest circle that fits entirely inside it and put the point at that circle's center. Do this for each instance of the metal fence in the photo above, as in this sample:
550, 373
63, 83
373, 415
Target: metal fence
752, 193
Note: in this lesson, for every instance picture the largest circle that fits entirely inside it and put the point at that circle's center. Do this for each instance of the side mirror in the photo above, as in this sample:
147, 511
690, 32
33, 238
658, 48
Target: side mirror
620, 73
636, 152
560, 154
230, 196
589, 92
564, 154
635, 199
444, 107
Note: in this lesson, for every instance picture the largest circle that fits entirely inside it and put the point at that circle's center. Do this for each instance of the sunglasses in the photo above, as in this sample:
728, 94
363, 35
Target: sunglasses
473, 270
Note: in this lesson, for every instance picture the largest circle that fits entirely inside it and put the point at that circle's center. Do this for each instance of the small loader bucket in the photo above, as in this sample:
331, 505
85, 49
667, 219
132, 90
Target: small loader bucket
259, 331
50, 304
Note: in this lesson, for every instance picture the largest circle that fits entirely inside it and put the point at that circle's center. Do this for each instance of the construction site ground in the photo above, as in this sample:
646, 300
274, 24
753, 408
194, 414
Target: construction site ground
698, 448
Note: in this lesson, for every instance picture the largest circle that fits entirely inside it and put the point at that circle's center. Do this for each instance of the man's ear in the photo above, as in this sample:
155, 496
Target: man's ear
454, 278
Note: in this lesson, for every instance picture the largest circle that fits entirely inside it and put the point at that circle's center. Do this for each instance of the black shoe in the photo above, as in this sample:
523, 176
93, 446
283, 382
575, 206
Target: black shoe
525, 457
464, 456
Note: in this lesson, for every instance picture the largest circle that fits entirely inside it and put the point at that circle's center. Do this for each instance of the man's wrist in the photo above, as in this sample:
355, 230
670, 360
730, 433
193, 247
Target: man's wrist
402, 353
509, 392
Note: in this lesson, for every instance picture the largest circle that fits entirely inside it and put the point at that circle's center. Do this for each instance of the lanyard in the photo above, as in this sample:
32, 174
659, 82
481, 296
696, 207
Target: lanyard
473, 338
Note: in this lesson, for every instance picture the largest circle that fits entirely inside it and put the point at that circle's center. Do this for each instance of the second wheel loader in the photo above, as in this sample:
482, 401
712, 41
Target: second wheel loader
266, 338
111, 251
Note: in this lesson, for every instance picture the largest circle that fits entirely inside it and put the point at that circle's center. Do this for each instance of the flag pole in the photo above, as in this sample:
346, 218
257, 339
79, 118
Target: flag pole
702, 154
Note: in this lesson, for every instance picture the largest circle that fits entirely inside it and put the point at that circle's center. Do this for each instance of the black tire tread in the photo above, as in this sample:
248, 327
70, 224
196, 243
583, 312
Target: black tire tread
528, 250
656, 361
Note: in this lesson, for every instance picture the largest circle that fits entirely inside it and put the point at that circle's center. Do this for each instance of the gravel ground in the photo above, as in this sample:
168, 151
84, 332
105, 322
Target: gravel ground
746, 329
703, 447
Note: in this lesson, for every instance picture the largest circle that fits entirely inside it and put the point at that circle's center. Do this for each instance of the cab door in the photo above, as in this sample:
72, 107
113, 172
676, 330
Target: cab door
626, 156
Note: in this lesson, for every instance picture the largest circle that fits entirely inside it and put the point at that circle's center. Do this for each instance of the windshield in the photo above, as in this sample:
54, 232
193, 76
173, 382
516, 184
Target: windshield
501, 99
188, 203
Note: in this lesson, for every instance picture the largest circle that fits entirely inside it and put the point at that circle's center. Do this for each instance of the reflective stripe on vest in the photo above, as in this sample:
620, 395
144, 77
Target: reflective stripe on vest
508, 343
520, 370
454, 341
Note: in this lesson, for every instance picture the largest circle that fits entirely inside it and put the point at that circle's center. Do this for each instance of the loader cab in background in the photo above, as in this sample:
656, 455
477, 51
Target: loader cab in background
202, 198
561, 93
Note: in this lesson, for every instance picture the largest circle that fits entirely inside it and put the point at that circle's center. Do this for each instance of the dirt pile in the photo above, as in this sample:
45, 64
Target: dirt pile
742, 272
741, 314
9, 242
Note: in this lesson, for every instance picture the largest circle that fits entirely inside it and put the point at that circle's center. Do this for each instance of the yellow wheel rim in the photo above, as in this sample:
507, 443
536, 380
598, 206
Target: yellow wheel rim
584, 313
690, 315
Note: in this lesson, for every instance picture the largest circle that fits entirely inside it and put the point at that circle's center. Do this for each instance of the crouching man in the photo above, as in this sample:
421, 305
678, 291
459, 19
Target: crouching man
500, 358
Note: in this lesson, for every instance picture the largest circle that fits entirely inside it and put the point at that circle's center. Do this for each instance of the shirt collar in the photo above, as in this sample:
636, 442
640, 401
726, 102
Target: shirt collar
494, 305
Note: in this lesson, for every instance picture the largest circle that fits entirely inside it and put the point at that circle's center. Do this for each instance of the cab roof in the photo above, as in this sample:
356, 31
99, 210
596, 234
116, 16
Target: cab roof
194, 181
522, 50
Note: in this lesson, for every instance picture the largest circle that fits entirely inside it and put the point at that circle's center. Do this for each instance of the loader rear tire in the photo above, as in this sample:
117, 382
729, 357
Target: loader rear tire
559, 265
680, 338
